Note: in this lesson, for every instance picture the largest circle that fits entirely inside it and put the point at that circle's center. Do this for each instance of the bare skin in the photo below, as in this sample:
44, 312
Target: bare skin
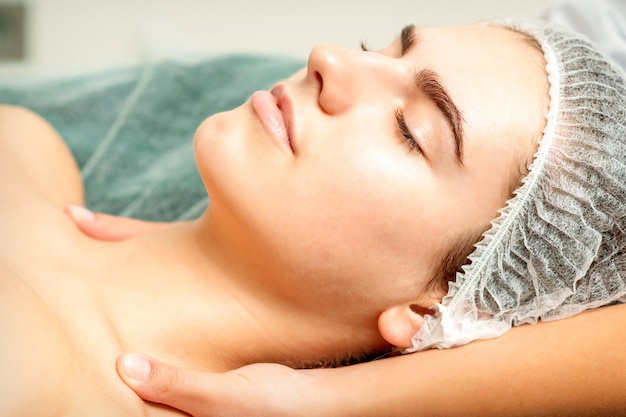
71, 304
549, 369
246, 282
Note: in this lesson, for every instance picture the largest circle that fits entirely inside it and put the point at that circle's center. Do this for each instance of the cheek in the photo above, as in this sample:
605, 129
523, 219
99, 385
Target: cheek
365, 204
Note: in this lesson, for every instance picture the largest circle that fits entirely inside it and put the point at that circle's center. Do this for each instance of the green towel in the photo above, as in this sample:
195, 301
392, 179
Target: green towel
131, 130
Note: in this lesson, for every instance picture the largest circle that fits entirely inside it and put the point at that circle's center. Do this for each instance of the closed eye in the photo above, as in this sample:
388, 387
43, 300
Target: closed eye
406, 133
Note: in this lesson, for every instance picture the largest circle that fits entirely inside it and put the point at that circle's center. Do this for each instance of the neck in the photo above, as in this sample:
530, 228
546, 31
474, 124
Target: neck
178, 297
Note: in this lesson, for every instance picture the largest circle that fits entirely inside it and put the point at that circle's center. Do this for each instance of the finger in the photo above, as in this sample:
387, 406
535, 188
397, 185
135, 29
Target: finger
107, 227
186, 390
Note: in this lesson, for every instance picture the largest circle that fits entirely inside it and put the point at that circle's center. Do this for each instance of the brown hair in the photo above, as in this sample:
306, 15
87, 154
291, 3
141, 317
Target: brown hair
455, 254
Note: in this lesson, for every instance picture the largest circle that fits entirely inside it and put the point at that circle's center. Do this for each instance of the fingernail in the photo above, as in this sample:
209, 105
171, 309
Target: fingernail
136, 366
80, 214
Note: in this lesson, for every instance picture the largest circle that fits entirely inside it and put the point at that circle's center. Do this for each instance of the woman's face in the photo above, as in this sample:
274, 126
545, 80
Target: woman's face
349, 180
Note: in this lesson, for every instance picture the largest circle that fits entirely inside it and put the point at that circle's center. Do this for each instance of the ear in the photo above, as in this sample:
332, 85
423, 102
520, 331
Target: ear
398, 324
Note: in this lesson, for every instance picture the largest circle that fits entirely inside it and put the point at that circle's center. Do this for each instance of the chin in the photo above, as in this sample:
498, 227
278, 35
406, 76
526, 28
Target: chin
210, 130
208, 144
221, 129
223, 154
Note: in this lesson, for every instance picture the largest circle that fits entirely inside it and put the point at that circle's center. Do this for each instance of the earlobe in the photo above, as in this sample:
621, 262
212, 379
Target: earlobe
398, 324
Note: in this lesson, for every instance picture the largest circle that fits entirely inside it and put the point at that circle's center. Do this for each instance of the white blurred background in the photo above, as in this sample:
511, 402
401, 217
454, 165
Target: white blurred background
68, 37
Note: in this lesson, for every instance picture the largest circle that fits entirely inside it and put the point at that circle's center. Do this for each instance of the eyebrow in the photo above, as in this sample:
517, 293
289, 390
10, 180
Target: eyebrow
428, 81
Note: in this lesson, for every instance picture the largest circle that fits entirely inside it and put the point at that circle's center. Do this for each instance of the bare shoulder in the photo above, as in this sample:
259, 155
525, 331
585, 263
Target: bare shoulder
35, 168
57, 349
35, 160
45, 370
33, 357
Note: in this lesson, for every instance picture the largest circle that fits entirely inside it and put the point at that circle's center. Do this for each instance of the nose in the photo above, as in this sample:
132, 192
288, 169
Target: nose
344, 76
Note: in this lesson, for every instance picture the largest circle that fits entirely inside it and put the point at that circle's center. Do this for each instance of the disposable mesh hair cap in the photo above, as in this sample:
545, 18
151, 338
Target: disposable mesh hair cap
557, 247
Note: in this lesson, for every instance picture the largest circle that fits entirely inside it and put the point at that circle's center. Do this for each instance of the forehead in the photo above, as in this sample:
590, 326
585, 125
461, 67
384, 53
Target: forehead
495, 76
480, 51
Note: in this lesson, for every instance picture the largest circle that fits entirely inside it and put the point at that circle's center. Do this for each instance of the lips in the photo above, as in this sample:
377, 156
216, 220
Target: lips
273, 110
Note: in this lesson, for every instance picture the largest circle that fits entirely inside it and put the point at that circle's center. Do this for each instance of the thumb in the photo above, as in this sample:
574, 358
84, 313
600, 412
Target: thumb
189, 391
261, 389
106, 227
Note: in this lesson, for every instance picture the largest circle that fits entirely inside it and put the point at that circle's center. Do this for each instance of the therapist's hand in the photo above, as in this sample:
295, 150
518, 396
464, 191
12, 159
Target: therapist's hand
255, 390
107, 227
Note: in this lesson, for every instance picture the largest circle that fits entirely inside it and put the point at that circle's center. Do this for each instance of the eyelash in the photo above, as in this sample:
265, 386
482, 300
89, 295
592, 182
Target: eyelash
404, 129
